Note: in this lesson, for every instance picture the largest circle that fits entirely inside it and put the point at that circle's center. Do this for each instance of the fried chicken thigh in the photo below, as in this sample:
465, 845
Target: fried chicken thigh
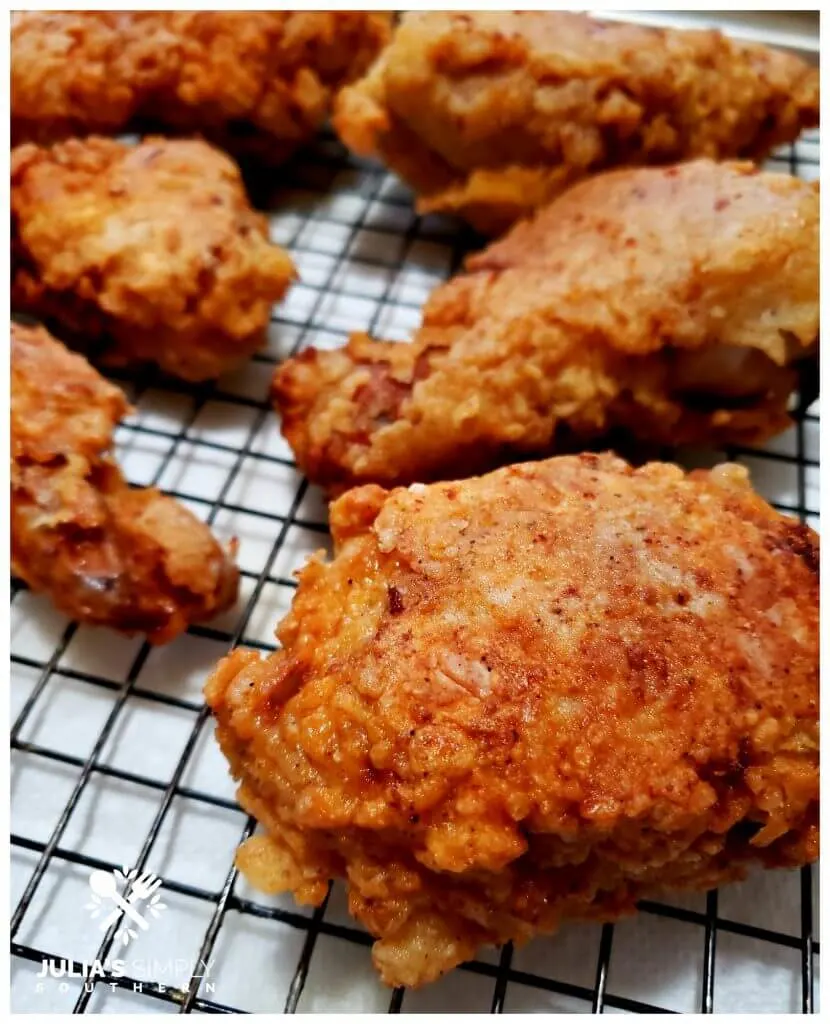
152, 250
667, 304
537, 695
258, 83
135, 560
490, 114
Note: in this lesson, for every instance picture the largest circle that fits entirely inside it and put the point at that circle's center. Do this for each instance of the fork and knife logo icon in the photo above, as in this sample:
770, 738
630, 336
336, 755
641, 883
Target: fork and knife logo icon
140, 893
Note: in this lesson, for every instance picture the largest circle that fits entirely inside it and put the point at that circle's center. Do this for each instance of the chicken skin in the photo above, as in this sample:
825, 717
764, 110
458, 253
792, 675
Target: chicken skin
667, 304
258, 83
153, 251
490, 114
532, 696
135, 560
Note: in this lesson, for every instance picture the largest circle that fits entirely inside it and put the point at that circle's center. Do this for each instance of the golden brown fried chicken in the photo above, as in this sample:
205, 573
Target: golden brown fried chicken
257, 82
490, 114
537, 695
666, 303
151, 249
135, 560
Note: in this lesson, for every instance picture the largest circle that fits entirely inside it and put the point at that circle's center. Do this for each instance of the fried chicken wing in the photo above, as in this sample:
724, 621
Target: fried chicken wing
490, 114
258, 83
152, 250
668, 304
135, 560
536, 695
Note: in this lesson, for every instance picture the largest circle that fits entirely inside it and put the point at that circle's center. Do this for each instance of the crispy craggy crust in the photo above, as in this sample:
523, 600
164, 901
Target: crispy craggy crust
536, 695
258, 83
491, 114
666, 303
134, 560
152, 250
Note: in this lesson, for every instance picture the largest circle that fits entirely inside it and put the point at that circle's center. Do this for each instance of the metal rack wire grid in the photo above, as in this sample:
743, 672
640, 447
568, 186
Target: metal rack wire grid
113, 757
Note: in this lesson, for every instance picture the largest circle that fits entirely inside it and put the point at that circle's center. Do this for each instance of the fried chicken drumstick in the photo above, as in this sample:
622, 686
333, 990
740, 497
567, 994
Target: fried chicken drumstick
151, 250
532, 696
667, 304
258, 83
491, 114
135, 560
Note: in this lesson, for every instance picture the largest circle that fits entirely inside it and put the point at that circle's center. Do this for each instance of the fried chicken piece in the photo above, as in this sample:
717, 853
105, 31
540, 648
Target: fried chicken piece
258, 83
153, 250
532, 696
135, 560
491, 114
666, 303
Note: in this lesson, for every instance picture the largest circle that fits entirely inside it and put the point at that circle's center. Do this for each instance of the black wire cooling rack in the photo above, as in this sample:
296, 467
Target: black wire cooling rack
362, 255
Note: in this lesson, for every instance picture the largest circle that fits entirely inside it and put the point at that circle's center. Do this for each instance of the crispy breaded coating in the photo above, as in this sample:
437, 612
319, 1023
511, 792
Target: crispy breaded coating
536, 695
152, 250
490, 114
664, 303
258, 83
135, 560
